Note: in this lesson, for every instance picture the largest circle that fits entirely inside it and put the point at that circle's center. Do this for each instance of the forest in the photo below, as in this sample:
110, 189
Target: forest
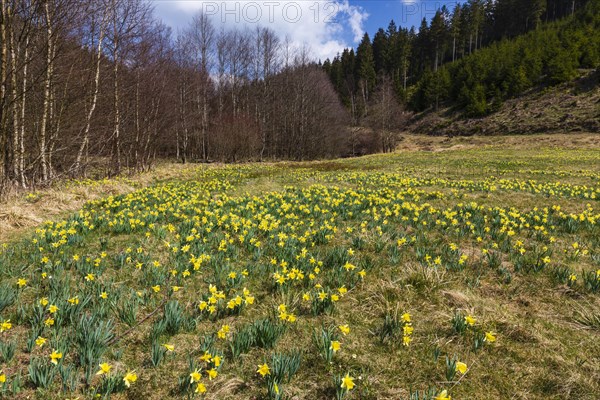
98, 88
103, 87
472, 57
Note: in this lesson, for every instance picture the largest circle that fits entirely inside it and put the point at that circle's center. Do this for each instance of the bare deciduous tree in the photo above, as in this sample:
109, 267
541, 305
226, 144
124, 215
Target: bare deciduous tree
99, 87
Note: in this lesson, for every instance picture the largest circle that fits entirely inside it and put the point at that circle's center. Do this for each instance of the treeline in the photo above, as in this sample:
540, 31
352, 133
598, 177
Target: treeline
472, 58
102, 86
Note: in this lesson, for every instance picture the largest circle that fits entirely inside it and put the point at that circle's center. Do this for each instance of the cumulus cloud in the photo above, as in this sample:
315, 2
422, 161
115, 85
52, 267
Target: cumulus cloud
325, 26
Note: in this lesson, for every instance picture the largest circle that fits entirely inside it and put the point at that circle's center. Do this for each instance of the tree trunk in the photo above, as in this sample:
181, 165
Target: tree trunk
21, 160
405, 73
470, 43
117, 118
15, 107
138, 163
3, 102
454, 49
88, 121
116, 137
205, 121
46, 107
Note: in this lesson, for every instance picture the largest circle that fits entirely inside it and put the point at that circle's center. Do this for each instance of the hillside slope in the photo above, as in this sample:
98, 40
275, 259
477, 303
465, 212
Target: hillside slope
570, 107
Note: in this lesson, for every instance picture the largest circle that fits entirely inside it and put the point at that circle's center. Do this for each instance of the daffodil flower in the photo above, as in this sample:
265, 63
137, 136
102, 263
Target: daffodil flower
206, 357
470, 320
129, 378
55, 356
490, 337
169, 347
5, 325
212, 373
443, 395
345, 329
263, 370
347, 382
461, 367
335, 346
200, 388
195, 376
104, 369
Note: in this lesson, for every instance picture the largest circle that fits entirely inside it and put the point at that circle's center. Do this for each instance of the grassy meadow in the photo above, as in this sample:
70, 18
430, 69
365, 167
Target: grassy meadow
452, 268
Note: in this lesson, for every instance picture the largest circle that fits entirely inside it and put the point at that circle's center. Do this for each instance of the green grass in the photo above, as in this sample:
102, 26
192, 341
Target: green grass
436, 234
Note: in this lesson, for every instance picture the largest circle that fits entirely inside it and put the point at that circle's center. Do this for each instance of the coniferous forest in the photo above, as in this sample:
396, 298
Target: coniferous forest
93, 88
473, 57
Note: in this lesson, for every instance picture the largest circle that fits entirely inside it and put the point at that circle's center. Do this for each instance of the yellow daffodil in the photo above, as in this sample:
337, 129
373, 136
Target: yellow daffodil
5, 325
195, 376
470, 320
490, 337
104, 369
335, 346
206, 357
40, 341
129, 378
200, 388
443, 395
461, 367
55, 356
212, 373
222, 333
217, 361
263, 370
345, 329
169, 347
347, 383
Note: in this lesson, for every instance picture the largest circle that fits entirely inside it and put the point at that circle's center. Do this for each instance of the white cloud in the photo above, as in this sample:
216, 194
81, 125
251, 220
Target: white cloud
357, 17
325, 26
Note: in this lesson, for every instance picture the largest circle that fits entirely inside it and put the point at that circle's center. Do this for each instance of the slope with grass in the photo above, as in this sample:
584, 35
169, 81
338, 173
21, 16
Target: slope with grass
471, 271
566, 108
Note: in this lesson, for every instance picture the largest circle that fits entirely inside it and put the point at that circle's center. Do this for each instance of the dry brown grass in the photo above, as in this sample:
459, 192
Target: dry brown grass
410, 142
19, 213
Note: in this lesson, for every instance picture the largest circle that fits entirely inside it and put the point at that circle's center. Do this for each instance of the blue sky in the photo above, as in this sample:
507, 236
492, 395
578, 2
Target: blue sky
326, 26
404, 13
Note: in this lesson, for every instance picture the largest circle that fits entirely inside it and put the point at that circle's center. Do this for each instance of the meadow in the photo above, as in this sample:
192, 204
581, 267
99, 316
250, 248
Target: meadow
463, 272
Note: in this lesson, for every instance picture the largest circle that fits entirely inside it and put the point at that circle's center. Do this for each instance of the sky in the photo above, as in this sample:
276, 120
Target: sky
326, 26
